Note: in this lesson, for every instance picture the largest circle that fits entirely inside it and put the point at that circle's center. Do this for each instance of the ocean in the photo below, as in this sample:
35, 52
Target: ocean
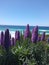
12, 29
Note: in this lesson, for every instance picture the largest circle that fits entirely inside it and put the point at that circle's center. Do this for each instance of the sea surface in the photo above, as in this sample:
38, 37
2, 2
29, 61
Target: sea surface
12, 29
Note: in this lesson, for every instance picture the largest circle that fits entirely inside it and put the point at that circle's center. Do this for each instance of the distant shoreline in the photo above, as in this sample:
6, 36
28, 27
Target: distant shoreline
23, 25
13, 28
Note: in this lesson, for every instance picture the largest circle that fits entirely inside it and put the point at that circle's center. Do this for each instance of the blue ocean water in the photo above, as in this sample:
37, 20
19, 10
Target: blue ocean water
22, 28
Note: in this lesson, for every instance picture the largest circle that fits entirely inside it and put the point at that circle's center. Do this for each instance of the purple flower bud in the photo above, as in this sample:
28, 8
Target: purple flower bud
2, 38
43, 36
7, 40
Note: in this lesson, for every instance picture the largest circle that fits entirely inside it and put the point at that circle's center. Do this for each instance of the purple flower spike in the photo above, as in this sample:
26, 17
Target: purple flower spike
48, 40
34, 35
2, 38
17, 35
34, 38
32, 30
27, 28
27, 32
39, 38
36, 29
0, 41
10, 36
12, 41
7, 40
43, 36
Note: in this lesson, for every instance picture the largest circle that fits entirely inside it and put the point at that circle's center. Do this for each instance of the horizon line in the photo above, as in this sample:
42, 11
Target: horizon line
21, 25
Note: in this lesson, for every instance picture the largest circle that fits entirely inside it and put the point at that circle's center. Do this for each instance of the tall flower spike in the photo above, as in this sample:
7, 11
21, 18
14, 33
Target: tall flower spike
43, 36
10, 36
34, 35
27, 28
12, 41
27, 32
2, 38
7, 40
48, 40
36, 29
17, 35
39, 38
32, 30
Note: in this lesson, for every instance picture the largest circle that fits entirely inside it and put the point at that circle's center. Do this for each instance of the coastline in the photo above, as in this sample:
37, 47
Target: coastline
13, 29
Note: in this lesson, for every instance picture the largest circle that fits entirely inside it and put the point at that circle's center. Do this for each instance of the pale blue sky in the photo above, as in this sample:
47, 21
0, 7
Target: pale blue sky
22, 12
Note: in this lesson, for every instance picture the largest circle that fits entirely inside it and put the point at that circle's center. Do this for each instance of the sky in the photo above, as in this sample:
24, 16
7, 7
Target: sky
23, 12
